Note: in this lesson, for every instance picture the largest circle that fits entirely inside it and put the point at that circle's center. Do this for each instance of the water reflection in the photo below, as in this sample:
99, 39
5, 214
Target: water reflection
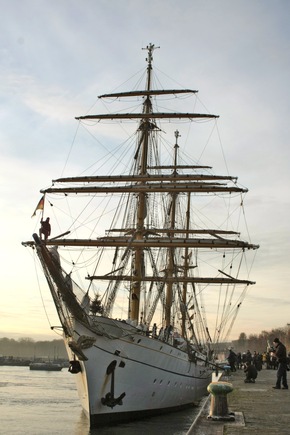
175, 423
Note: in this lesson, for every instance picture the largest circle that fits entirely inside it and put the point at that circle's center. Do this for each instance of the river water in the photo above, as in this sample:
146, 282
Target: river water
46, 403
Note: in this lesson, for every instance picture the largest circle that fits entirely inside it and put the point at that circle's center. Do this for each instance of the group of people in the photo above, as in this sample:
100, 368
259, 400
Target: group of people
252, 364
166, 334
240, 360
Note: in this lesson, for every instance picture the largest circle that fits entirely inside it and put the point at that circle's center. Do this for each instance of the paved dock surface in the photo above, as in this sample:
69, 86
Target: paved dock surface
258, 408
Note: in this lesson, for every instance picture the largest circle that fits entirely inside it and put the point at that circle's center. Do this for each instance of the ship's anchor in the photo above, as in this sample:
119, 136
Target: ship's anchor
109, 399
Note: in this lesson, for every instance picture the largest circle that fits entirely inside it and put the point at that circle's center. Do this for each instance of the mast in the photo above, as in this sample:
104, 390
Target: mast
138, 260
185, 272
171, 251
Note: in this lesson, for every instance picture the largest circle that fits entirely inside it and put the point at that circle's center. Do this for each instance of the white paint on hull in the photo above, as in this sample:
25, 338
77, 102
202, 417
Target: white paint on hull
154, 375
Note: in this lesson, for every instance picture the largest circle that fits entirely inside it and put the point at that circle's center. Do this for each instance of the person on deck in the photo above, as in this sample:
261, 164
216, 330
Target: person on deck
45, 229
154, 331
281, 355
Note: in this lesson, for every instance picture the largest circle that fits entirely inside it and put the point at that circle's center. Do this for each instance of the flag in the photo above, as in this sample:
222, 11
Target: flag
40, 206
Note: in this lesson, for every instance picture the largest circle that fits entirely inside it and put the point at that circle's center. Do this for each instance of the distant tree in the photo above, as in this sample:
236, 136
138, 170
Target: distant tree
29, 348
253, 342
280, 333
242, 337
26, 340
241, 344
263, 341
7, 346
96, 305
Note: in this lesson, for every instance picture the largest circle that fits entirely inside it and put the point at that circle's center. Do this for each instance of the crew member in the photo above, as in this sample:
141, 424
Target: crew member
44, 229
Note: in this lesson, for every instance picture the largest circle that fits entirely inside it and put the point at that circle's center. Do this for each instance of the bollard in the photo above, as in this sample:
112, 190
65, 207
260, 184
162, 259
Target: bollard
227, 370
219, 404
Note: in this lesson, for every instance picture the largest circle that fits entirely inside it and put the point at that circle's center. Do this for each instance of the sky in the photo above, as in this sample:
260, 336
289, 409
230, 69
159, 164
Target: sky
56, 56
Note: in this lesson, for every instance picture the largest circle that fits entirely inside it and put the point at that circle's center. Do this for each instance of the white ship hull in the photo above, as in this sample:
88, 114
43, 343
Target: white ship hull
155, 376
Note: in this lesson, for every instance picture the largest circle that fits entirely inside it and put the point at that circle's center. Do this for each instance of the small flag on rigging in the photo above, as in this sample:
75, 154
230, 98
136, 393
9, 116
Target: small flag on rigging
40, 206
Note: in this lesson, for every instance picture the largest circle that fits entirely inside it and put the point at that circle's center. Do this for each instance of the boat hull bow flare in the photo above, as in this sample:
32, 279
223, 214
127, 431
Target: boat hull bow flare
146, 300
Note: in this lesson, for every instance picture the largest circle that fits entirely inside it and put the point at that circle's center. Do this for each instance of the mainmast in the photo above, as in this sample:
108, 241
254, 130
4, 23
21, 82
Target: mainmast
144, 129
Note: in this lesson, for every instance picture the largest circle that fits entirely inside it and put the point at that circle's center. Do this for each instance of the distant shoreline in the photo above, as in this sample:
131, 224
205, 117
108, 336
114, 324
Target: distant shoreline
23, 362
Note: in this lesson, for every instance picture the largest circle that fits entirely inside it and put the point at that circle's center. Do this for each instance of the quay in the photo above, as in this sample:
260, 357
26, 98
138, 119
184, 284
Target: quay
257, 408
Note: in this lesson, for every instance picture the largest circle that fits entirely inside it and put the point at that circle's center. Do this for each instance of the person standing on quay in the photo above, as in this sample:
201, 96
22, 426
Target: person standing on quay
281, 355
232, 357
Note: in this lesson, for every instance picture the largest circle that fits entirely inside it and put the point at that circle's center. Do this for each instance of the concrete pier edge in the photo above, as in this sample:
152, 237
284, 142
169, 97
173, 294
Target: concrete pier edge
204, 404
258, 408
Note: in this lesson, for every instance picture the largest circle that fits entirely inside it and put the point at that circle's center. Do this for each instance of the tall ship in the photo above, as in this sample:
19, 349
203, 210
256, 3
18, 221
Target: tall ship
146, 272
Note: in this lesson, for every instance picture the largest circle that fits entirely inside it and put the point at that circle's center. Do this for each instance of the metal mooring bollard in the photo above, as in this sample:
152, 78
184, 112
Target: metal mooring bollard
219, 405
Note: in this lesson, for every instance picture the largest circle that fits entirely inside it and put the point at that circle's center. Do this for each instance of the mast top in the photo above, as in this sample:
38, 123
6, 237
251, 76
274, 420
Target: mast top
177, 135
150, 48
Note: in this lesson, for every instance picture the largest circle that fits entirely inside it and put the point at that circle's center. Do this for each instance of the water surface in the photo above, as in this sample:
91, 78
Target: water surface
40, 403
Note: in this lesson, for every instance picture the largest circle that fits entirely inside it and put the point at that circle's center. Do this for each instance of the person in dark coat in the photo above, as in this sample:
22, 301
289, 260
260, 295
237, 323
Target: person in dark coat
249, 357
232, 357
45, 228
251, 373
281, 355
